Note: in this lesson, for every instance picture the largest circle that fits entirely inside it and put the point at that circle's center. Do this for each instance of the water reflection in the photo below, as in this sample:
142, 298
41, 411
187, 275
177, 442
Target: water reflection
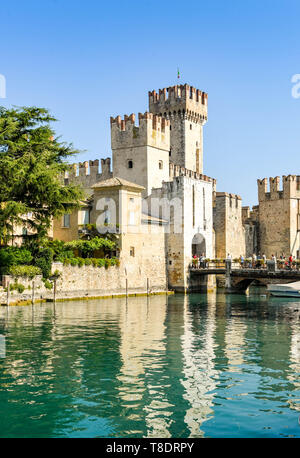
180, 366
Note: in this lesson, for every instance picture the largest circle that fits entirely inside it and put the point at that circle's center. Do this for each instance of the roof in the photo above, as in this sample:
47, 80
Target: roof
117, 182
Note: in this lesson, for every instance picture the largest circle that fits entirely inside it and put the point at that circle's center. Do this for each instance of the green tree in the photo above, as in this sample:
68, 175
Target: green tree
32, 162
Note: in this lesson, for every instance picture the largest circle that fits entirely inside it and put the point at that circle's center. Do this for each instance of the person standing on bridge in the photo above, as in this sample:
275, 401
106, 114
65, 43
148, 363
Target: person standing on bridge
242, 259
265, 260
254, 260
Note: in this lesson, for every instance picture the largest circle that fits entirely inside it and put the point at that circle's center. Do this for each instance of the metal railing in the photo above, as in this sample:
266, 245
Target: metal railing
269, 265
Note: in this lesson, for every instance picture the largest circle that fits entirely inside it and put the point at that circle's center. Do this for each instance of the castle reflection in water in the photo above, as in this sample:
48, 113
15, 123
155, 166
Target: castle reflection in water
151, 366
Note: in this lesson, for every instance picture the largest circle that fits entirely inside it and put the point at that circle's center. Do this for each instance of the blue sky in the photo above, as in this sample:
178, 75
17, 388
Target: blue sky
86, 61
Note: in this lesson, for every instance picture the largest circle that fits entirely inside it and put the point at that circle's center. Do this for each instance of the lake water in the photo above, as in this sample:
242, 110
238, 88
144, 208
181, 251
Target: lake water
210, 365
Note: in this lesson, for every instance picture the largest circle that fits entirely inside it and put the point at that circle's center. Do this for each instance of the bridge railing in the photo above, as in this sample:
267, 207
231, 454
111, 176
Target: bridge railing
211, 264
269, 265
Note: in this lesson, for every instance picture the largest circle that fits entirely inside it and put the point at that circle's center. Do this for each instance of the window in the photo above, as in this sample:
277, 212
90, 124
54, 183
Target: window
66, 220
160, 165
191, 126
132, 251
130, 164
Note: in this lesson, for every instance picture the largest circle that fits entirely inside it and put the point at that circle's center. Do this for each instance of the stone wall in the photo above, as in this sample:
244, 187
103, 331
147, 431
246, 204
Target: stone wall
88, 281
279, 212
229, 230
189, 204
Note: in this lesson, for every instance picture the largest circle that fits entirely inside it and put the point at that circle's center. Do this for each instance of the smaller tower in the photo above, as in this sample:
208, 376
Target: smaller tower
229, 231
141, 153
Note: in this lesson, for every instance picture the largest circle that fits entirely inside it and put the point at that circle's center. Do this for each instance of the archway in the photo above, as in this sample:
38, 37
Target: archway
198, 245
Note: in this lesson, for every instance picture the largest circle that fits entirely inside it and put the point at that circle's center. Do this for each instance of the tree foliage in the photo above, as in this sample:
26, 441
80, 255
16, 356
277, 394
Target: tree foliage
32, 162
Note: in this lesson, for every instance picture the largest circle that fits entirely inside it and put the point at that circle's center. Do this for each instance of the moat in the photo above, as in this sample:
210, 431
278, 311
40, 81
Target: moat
215, 365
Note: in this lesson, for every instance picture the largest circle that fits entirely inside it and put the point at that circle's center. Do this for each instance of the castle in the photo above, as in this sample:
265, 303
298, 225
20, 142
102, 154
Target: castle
165, 208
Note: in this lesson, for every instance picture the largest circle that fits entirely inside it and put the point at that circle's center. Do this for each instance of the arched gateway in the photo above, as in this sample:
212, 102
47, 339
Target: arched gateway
198, 245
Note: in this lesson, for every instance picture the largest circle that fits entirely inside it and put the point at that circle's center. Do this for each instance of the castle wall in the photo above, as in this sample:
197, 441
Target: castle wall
87, 174
278, 216
251, 239
190, 224
229, 230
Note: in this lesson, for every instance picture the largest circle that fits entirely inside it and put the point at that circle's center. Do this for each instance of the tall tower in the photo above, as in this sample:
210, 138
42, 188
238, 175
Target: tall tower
186, 108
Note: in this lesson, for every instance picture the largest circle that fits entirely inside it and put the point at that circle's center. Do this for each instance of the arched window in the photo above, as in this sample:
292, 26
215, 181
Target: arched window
160, 165
130, 164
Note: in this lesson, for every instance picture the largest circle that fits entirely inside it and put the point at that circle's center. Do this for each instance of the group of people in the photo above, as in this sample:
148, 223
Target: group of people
260, 261
255, 262
200, 261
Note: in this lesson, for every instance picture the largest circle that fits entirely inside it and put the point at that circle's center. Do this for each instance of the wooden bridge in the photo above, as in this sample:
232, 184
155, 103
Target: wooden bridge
238, 279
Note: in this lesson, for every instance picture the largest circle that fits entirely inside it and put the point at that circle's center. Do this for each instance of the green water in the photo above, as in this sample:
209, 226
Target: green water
183, 366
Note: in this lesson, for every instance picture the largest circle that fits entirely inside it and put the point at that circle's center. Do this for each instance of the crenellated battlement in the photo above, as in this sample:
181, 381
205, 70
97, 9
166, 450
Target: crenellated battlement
153, 130
154, 121
177, 170
229, 200
87, 173
290, 188
180, 100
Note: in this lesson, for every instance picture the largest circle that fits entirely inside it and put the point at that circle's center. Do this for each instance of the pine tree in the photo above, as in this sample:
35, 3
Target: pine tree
32, 163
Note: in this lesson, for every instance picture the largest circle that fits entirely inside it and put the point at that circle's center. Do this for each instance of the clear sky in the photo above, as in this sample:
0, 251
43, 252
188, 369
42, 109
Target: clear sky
88, 60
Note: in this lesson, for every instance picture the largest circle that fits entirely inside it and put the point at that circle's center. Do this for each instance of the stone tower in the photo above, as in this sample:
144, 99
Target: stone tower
186, 109
229, 231
141, 153
279, 216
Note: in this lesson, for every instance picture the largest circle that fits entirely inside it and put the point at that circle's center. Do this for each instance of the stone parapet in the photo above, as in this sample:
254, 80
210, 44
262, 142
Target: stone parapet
177, 170
179, 100
153, 130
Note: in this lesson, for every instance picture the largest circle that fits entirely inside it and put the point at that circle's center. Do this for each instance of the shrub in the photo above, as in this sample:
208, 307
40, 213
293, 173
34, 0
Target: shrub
17, 287
87, 247
80, 262
96, 262
56, 274
24, 271
48, 284
13, 256
44, 261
